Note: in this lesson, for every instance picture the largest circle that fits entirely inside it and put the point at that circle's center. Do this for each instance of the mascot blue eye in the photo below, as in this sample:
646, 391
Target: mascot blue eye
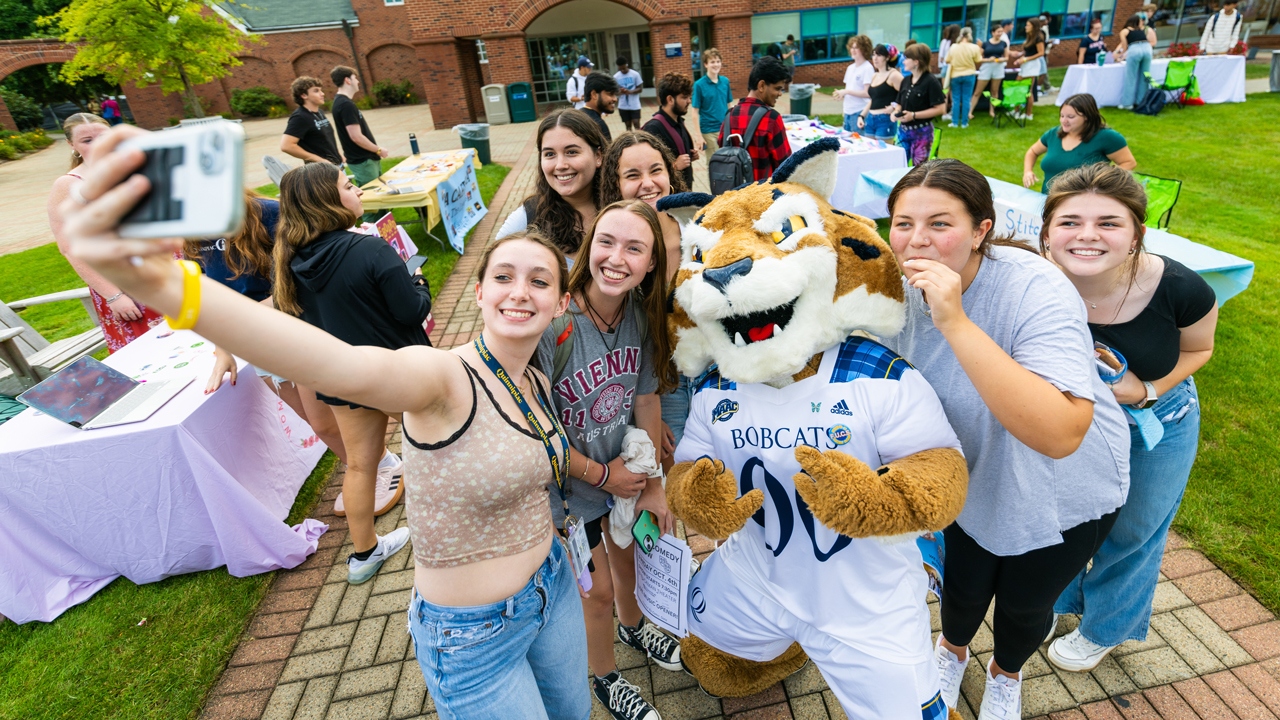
790, 225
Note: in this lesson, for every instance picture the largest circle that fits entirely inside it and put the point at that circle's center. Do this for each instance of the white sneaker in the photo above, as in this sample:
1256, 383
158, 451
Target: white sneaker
950, 672
1003, 697
953, 125
359, 571
1074, 652
388, 490
946, 116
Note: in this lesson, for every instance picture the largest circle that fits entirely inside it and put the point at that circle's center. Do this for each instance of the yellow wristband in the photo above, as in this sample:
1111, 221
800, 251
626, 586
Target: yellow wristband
190, 310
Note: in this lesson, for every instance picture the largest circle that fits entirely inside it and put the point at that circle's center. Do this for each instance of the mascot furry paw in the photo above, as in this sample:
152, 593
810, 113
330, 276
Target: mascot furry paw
819, 453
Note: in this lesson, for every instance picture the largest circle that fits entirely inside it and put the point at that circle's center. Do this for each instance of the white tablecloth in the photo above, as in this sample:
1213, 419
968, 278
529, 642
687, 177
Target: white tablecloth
204, 482
850, 167
1221, 79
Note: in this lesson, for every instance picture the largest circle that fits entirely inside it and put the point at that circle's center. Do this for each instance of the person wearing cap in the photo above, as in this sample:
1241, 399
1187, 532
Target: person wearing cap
575, 89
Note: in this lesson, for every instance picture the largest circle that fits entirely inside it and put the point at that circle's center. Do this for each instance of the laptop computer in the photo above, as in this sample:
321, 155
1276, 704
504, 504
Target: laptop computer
88, 394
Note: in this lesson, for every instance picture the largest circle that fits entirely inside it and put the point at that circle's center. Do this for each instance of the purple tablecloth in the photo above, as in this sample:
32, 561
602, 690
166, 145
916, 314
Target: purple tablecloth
204, 482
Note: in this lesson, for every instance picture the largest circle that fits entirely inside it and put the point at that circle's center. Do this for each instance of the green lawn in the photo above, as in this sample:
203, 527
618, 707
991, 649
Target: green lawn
1253, 71
96, 661
1231, 509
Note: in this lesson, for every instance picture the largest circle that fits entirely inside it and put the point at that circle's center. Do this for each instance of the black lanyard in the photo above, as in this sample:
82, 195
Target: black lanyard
558, 469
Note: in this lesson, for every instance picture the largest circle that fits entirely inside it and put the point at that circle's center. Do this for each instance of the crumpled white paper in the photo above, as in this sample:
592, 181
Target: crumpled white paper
638, 456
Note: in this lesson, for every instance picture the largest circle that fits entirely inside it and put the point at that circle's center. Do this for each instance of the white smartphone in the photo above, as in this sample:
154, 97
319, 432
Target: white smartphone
197, 182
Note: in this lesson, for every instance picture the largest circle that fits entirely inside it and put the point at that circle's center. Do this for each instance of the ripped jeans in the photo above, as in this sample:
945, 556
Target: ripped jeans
523, 658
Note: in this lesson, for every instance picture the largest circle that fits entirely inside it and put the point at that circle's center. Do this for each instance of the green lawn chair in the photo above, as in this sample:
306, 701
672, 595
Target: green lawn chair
1177, 81
1013, 95
1162, 195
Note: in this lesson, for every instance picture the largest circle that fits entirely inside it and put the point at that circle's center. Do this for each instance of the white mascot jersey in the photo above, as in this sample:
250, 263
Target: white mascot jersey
865, 401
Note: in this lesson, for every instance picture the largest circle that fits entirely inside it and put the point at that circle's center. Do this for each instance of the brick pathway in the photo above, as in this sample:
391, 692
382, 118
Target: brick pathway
319, 648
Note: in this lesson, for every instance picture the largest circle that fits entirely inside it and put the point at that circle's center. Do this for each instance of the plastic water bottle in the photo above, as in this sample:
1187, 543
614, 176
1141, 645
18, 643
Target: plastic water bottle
413, 143
1102, 59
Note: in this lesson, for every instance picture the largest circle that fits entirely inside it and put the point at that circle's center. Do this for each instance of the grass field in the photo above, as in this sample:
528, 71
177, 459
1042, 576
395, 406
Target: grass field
96, 661
1228, 202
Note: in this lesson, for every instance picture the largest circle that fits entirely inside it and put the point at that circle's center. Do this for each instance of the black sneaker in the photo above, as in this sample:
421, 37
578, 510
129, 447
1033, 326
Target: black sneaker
650, 640
622, 699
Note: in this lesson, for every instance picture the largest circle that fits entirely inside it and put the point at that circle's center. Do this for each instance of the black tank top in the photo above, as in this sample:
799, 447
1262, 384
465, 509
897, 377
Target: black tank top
994, 50
882, 95
1135, 36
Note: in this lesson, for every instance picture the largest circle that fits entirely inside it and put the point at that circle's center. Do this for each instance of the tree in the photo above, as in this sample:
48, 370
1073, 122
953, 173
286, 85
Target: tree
18, 17
177, 43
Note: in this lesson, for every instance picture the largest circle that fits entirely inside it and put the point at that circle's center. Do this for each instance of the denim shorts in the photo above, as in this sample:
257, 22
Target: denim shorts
675, 405
523, 658
880, 126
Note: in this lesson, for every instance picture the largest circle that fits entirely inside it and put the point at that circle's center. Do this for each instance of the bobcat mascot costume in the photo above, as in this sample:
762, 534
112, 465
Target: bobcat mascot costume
820, 454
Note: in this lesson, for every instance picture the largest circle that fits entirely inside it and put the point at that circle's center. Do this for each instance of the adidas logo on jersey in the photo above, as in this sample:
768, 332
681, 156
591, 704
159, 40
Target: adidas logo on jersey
841, 408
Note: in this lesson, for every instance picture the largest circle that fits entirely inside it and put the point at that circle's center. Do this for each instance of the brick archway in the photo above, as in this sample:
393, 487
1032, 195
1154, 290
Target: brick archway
529, 10
17, 54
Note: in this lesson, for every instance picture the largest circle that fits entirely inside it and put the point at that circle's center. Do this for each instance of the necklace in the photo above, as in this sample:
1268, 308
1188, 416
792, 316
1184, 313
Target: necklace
609, 326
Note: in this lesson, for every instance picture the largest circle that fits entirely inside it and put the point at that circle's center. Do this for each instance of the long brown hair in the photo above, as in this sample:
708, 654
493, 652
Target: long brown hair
249, 251
609, 182
964, 184
651, 292
77, 120
1084, 104
1035, 37
1104, 180
309, 205
552, 215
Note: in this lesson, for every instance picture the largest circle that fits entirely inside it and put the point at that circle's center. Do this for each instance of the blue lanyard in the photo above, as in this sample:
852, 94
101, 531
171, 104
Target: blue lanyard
558, 469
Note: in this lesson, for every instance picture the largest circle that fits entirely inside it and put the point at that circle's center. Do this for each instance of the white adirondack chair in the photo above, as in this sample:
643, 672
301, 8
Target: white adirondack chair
27, 357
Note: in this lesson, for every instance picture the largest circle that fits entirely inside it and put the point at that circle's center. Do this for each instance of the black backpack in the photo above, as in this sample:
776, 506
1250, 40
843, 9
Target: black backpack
730, 166
1152, 104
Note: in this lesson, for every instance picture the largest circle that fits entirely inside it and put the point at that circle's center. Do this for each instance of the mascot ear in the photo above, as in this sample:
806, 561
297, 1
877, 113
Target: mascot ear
684, 206
813, 166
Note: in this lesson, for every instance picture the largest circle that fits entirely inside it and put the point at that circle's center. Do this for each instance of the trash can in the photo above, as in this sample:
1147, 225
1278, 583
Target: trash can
802, 98
521, 103
495, 104
475, 135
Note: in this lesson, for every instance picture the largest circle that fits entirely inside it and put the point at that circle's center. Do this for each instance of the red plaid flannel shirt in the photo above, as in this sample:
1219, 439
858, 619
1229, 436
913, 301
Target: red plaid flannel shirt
769, 146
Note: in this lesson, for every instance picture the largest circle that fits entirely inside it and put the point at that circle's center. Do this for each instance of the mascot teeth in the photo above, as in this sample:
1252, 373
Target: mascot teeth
759, 326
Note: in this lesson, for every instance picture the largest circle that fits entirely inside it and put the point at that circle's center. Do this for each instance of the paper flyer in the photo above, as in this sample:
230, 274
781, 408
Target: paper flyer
933, 550
662, 584
396, 236
460, 204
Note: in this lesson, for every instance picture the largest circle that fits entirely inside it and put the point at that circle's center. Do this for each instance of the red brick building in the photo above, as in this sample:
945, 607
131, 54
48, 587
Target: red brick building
300, 37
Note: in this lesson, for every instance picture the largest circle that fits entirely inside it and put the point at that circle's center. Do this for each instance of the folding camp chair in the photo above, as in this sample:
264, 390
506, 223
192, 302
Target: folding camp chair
1013, 96
1177, 81
1162, 195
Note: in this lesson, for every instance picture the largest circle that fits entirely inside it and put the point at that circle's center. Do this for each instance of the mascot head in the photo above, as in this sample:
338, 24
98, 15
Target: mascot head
770, 274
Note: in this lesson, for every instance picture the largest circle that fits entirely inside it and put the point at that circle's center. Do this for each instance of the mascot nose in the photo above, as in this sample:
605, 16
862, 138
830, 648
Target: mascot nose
719, 277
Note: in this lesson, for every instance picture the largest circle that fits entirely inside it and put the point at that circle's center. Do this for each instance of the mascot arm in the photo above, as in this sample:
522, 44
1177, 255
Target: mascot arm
920, 492
705, 496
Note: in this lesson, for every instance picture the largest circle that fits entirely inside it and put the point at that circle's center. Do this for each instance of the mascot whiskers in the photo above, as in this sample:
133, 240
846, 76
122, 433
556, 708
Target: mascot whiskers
818, 453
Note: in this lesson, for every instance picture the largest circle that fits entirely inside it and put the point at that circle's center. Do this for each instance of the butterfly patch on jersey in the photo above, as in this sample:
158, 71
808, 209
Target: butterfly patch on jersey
841, 408
723, 411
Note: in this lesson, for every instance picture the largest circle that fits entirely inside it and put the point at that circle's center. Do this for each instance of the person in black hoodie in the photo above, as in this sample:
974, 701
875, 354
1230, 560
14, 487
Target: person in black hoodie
356, 288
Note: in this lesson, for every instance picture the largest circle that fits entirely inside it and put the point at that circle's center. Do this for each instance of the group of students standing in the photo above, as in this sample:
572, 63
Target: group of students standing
511, 439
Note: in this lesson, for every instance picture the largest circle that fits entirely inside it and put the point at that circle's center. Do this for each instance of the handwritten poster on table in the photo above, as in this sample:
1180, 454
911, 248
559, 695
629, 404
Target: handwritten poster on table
662, 584
460, 204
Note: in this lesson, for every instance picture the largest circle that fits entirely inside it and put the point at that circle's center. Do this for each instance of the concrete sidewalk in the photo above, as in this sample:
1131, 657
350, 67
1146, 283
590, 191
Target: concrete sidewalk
320, 648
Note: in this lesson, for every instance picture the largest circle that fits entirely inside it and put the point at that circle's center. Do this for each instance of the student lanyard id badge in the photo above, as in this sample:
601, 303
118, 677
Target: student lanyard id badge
579, 550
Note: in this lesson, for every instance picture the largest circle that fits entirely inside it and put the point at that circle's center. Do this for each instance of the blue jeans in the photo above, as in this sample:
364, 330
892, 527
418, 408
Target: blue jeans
851, 122
961, 96
523, 658
1137, 63
880, 126
675, 404
1114, 596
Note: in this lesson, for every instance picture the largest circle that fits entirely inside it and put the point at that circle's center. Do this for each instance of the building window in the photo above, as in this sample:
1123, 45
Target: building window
393, 2
484, 55
769, 32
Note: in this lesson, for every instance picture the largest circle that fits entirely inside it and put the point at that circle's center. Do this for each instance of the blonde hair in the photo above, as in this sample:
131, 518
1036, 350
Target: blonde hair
75, 121
966, 35
309, 206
